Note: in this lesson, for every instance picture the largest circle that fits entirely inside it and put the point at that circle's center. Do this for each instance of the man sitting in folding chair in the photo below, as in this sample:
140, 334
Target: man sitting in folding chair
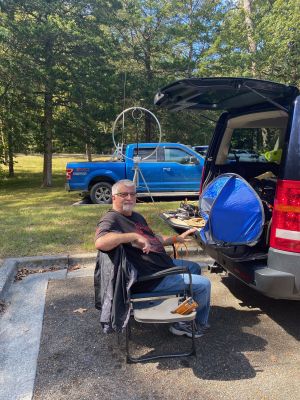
145, 250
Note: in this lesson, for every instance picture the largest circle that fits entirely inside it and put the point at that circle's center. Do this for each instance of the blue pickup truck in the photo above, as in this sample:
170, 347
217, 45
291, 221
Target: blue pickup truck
168, 169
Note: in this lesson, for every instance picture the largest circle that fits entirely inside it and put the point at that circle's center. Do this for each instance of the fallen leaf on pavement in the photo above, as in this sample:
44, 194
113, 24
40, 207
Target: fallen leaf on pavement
80, 310
74, 267
2, 306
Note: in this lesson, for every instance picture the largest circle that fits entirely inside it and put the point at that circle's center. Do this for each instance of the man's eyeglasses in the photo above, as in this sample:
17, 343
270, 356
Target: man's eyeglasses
125, 194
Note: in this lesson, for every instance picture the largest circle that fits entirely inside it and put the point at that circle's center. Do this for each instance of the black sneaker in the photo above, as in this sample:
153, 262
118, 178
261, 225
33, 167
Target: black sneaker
185, 328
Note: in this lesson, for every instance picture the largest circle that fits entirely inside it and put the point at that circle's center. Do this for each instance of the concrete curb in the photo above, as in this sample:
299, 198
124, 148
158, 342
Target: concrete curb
7, 274
10, 266
63, 261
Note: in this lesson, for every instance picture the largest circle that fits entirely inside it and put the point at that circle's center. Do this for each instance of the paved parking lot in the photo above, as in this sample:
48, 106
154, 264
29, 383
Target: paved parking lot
251, 352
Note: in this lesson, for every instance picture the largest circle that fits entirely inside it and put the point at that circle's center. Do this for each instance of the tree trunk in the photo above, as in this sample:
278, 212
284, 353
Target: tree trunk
47, 124
264, 134
11, 172
85, 129
4, 154
149, 75
148, 125
88, 152
190, 46
47, 128
250, 33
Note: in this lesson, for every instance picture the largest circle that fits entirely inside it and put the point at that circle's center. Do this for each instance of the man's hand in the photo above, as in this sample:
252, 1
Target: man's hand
167, 240
142, 243
183, 237
113, 239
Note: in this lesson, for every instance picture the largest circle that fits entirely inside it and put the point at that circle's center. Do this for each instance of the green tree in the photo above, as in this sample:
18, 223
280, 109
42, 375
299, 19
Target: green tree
16, 117
256, 38
52, 36
141, 29
279, 42
194, 28
160, 41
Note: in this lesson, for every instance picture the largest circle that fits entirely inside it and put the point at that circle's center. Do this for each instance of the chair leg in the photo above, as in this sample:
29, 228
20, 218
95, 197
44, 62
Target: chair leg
129, 329
133, 360
193, 338
129, 358
127, 342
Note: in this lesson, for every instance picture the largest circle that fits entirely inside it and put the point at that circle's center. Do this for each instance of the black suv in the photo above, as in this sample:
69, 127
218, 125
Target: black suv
262, 120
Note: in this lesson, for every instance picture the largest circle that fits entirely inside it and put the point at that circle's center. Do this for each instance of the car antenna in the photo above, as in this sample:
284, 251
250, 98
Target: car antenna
124, 102
119, 147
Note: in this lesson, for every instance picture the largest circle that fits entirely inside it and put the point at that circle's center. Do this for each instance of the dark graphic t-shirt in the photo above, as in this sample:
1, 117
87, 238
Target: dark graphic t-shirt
156, 260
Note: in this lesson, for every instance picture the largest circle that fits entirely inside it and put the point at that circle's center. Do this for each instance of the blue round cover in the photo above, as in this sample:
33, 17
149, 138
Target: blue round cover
233, 211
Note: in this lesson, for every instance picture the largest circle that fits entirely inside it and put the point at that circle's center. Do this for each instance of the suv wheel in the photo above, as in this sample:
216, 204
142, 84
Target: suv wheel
101, 193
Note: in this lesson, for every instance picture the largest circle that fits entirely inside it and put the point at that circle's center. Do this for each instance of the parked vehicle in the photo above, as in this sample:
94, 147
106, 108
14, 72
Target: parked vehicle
167, 169
245, 155
201, 150
263, 117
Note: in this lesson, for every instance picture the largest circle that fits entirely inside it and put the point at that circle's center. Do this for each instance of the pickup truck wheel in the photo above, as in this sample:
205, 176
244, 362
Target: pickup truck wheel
101, 193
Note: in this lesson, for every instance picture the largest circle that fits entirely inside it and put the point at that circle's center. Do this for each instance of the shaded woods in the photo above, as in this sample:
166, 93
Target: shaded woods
68, 68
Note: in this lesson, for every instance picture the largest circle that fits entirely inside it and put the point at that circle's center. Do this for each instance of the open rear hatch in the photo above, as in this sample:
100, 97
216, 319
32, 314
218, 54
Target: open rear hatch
224, 94
250, 183
239, 231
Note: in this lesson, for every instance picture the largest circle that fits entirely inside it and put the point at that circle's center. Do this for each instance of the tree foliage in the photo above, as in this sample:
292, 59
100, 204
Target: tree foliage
68, 68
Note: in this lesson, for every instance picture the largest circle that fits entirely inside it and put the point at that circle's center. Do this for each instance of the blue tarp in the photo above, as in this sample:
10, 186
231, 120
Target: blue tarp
233, 211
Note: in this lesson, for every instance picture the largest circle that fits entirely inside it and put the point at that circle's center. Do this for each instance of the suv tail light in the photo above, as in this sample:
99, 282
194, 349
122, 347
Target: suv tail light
69, 173
285, 229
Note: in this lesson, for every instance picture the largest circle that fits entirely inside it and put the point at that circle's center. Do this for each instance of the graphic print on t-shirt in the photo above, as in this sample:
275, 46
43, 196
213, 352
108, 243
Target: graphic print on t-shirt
155, 244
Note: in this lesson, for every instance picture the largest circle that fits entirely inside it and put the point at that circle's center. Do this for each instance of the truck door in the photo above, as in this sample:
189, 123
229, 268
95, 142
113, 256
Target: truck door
180, 170
149, 169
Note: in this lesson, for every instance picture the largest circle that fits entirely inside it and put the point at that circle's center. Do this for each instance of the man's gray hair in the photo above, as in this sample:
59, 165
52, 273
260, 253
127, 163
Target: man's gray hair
122, 182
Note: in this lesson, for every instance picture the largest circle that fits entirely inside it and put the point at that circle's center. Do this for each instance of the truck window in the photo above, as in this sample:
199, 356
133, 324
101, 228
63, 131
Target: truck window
177, 155
146, 152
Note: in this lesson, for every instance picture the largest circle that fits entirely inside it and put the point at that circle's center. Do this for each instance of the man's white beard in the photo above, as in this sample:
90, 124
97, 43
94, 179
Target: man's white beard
128, 207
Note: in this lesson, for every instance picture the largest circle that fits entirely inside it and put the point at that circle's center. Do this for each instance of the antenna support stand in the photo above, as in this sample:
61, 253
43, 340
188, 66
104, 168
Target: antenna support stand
136, 178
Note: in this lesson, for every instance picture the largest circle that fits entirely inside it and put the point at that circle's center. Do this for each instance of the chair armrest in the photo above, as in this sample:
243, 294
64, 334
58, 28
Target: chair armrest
163, 273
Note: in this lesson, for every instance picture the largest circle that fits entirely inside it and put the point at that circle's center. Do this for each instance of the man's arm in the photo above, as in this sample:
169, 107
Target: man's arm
113, 239
167, 240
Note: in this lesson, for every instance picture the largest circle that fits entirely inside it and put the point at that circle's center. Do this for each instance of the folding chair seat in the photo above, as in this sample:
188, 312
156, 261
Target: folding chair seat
156, 308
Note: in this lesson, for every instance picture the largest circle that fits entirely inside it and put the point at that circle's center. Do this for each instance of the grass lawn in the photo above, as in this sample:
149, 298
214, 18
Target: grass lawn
38, 221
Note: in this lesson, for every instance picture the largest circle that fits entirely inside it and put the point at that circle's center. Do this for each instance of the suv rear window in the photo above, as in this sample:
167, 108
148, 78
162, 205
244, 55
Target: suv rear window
254, 144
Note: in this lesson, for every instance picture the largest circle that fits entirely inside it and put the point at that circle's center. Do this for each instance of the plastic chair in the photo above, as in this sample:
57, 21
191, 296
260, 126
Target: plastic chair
156, 308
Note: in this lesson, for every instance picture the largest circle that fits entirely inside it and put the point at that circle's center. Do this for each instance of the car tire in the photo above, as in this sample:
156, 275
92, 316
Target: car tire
101, 193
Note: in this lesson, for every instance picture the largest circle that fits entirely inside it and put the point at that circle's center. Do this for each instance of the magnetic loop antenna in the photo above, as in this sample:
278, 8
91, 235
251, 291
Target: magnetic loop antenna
137, 114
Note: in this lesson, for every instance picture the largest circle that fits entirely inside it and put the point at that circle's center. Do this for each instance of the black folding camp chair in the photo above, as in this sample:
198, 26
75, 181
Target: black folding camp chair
156, 308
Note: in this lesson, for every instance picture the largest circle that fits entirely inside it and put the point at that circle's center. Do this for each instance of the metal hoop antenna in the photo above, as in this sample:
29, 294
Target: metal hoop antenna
133, 109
